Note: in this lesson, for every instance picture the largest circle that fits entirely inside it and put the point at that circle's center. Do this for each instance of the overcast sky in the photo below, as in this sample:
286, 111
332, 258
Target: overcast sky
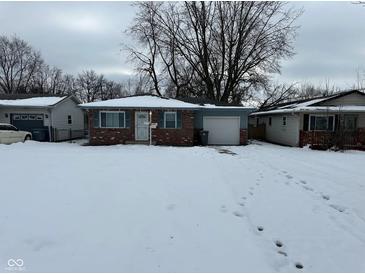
87, 35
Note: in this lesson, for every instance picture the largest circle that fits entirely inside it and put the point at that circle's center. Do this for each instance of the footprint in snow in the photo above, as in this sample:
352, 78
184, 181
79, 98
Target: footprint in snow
289, 176
223, 209
283, 253
260, 228
238, 214
278, 244
338, 208
299, 265
251, 193
243, 198
241, 204
303, 182
308, 188
326, 197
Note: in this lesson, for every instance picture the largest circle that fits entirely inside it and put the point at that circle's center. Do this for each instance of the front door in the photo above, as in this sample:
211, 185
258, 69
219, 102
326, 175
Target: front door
142, 126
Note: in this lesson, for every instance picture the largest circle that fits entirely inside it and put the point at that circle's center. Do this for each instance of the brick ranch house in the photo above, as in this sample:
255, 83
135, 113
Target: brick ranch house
335, 120
164, 121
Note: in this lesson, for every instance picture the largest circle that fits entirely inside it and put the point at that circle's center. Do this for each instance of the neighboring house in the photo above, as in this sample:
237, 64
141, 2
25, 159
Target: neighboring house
135, 119
48, 118
323, 122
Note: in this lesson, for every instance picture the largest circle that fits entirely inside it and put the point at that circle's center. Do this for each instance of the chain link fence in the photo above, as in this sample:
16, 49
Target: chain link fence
68, 134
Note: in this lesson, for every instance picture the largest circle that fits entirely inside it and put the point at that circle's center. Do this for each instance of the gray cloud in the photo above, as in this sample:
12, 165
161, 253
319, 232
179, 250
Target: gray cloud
330, 44
87, 35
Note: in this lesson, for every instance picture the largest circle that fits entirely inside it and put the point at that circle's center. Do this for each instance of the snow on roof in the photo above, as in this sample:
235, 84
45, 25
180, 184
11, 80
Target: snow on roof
314, 109
144, 101
211, 106
306, 103
32, 102
151, 101
309, 105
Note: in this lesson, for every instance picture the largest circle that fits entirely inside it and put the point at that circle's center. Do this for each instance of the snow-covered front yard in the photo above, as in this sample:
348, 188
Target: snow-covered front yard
66, 207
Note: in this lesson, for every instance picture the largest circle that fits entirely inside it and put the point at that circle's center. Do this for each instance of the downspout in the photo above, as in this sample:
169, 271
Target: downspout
150, 126
50, 132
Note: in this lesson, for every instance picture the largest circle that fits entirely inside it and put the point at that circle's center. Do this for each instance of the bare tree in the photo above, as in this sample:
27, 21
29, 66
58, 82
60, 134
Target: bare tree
276, 94
146, 32
19, 62
89, 86
224, 48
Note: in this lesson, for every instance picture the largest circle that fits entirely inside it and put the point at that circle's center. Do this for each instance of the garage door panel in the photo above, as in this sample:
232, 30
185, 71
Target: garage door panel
25, 121
222, 130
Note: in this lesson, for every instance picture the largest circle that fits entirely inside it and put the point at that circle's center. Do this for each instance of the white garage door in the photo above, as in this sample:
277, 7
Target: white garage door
222, 130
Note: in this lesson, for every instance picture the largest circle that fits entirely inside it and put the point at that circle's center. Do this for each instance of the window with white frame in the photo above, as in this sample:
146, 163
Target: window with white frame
170, 119
69, 119
321, 122
112, 119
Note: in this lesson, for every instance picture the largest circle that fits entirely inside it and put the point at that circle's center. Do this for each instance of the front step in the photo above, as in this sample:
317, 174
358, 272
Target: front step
139, 142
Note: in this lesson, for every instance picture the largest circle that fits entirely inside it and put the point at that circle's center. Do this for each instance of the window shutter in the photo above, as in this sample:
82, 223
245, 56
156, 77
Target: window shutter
305, 122
96, 119
161, 121
179, 120
313, 122
127, 119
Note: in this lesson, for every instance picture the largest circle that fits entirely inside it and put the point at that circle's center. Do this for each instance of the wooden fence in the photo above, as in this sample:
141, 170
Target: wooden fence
256, 132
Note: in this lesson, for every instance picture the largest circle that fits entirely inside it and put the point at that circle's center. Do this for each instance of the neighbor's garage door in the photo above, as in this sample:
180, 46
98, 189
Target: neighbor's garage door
33, 123
222, 130
27, 122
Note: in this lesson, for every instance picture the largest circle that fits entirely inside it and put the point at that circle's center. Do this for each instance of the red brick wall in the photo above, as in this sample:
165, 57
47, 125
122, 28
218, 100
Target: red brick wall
160, 136
179, 137
361, 136
322, 138
243, 136
109, 136
314, 138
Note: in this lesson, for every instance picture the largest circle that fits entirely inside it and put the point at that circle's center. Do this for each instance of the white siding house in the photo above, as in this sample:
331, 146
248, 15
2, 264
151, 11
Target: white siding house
316, 121
48, 118
282, 129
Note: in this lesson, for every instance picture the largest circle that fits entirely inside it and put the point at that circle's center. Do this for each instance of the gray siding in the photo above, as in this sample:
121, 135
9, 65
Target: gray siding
199, 114
353, 99
280, 134
60, 114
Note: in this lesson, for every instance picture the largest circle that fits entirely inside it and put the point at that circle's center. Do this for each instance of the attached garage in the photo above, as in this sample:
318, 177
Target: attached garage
223, 130
226, 124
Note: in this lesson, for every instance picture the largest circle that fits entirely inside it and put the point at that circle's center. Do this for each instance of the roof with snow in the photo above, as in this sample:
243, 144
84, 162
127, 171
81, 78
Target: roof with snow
32, 102
153, 101
313, 105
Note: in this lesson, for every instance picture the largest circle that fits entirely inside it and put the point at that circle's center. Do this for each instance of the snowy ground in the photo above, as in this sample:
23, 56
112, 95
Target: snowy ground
66, 207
